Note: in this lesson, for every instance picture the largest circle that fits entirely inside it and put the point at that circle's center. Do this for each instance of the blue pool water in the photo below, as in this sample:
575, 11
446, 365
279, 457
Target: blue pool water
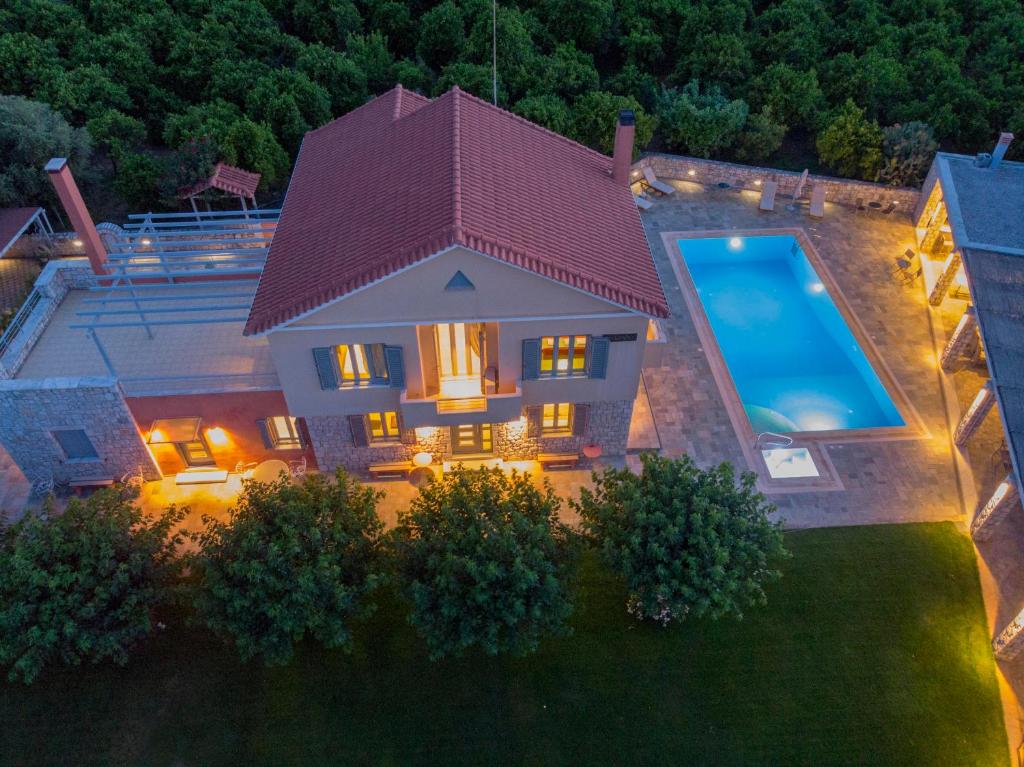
793, 359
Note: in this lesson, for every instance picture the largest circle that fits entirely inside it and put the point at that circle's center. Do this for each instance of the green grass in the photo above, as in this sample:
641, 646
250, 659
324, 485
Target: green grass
873, 651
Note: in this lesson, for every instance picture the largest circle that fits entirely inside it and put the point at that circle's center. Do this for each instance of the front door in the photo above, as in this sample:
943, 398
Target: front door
459, 358
472, 439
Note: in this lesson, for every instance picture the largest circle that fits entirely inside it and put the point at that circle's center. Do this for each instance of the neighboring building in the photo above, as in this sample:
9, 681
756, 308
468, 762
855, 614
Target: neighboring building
445, 277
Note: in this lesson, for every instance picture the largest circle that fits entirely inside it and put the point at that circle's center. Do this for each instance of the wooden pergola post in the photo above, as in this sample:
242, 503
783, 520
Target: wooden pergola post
983, 402
1010, 642
942, 284
963, 342
1005, 497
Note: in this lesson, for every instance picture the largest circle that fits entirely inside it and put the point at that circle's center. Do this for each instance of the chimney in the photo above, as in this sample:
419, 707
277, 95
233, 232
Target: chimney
71, 199
622, 157
1001, 146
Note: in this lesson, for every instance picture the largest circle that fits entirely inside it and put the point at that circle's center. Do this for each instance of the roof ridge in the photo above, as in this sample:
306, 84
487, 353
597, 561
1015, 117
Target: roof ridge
456, 163
400, 91
397, 111
533, 125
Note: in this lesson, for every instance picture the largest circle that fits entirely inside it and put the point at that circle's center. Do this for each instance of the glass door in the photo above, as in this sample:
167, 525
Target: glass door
459, 358
472, 439
196, 452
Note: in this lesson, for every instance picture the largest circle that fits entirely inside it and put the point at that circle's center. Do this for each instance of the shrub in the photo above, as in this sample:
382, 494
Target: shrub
698, 123
484, 560
760, 138
686, 541
594, 116
292, 560
908, 150
83, 585
851, 144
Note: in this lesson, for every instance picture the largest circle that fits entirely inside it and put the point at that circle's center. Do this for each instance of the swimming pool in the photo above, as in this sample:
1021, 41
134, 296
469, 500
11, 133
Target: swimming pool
795, 363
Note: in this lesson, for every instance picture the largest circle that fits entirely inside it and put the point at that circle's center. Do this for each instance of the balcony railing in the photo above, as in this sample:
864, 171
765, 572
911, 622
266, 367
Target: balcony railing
453, 411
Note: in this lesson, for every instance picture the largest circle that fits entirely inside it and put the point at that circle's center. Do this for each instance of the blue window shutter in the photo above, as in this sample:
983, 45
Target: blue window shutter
357, 425
599, 347
580, 420
531, 359
323, 356
268, 441
396, 366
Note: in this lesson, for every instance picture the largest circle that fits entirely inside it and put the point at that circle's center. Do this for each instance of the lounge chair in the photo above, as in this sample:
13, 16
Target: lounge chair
817, 209
658, 186
642, 202
768, 195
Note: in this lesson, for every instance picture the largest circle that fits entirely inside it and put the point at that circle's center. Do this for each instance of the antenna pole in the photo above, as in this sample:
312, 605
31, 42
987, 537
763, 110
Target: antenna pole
494, 50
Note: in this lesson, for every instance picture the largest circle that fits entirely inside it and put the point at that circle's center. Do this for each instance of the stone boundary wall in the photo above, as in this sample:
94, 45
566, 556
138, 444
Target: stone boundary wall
52, 285
840, 191
332, 440
31, 409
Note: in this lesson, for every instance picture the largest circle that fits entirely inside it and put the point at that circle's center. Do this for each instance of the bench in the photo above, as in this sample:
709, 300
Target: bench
558, 459
90, 482
390, 469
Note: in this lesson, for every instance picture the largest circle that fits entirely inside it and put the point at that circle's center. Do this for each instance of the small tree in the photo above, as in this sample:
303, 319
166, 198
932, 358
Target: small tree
760, 138
700, 123
292, 560
83, 585
851, 144
594, 117
687, 541
908, 151
484, 560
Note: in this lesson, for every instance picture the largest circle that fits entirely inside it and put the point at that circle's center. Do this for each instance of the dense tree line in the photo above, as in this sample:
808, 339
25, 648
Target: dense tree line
730, 78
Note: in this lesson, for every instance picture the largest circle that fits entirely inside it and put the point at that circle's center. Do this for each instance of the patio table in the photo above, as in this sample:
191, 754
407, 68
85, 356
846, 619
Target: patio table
269, 471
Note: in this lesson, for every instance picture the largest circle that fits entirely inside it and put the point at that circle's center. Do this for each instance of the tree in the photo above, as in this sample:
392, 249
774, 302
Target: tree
485, 563
587, 23
700, 123
517, 48
138, 179
371, 54
290, 103
291, 561
594, 116
793, 96
30, 134
548, 110
567, 72
83, 585
442, 35
686, 541
116, 133
908, 151
87, 92
472, 78
337, 74
793, 32
326, 21
721, 57
851, 144
760, 138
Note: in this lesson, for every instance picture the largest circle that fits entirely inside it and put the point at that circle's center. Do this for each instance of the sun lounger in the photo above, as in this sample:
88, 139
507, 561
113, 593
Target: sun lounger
817, 209
642, 202
655, 184
768, 195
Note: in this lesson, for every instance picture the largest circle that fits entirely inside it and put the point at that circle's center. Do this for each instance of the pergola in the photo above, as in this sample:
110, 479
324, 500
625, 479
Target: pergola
179, 269
228, 179
16, 222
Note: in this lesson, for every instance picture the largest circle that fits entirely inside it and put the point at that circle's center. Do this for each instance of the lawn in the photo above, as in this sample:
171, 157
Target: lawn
873, 651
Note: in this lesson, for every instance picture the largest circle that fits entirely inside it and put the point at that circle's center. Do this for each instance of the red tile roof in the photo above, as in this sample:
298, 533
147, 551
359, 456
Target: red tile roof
226, 178
13, 222
403, 177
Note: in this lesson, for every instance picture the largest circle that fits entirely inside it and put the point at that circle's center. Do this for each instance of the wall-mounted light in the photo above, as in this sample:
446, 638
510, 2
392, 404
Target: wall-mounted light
217, 436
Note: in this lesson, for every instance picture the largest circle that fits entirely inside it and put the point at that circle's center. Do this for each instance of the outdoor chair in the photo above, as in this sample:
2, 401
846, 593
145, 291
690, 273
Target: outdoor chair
642, 202
298, 468
909, 278
889, 209
768, 196
817, 209
658, 186
861, 208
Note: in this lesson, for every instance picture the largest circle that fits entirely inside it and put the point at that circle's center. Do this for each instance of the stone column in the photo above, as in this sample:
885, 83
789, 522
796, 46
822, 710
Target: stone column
1005, 498
963, 342
1010, 642
934, 230
983, 402
945, 279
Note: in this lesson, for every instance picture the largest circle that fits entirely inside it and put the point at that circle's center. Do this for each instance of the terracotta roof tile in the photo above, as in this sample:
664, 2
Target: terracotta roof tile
226, 178
13, 222
403, 177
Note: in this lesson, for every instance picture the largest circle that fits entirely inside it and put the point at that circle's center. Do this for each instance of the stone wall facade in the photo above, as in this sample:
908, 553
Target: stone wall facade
331, 438
50, 288
840, 191
31, 410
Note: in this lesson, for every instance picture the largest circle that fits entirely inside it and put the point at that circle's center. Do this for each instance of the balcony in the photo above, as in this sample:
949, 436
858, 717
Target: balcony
438, 410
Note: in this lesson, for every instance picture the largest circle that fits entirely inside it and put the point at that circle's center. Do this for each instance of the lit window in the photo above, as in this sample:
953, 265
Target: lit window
361, 364
563, 356
284, 432
556, 419
382, 427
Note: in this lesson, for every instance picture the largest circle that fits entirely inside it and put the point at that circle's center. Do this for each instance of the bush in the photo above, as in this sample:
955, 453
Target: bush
594, 116
83, 585
292, 560
908, 150
760, 138
686, 541
700, 123
851, 144
485, 562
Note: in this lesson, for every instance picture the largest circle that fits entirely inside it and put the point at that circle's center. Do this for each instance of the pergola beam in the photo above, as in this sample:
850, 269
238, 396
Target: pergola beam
963, 342
1005, 497
945, 279
972, 419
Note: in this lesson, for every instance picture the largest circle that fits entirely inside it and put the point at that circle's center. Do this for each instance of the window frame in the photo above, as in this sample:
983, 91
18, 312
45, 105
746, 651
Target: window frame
557, 430
293, 441
571, 371
75, 458
372, 354
386, 438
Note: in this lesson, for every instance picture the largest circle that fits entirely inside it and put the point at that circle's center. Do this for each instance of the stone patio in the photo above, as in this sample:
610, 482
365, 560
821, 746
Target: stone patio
884, 481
